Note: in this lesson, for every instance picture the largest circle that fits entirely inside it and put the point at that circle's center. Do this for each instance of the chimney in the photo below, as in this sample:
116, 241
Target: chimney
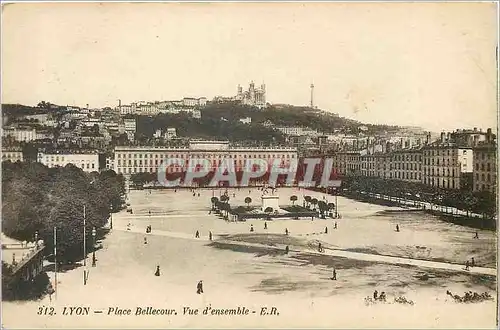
428, 138
87, 105
442, 136
388, 147
448, 136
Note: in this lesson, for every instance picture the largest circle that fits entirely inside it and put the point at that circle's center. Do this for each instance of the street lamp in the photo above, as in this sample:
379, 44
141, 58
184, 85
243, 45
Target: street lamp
111, 216
93, 250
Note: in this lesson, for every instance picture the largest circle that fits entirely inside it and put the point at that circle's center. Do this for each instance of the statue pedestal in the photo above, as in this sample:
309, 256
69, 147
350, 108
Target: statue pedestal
270, 201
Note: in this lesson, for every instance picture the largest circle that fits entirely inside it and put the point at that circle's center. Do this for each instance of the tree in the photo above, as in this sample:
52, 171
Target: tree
293, 198
214, 200
314, 202
322, 208
308, 200
248, 200
331, 207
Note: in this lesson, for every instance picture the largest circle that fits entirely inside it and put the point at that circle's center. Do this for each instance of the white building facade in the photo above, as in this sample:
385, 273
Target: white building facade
130, 160
88, 162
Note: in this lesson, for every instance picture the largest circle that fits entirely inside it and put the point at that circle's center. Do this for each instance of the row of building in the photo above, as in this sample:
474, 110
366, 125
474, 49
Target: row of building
187, 104
449, 162
446, 163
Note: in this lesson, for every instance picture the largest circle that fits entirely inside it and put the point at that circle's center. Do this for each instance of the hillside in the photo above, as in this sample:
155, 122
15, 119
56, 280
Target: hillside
289, 115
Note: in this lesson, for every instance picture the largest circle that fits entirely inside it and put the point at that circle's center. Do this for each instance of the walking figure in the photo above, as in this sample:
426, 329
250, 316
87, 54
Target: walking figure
145, 240
149, 212
326, 230
197, 235
251, 228
265, 225
473, 263
157, 273
194, 194
335, 227
210, 235
286, 231
334, 275
477, 235
199, 287
198, 194
467, 265
397, 228
382, 296
375, 295
234, 195
287, 249
50, 291
320, 247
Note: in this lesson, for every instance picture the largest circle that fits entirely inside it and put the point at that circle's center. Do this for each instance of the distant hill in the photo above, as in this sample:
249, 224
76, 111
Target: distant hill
289, 115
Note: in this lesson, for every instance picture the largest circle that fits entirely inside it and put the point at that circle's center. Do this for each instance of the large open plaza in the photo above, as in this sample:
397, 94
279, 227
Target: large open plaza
257, 273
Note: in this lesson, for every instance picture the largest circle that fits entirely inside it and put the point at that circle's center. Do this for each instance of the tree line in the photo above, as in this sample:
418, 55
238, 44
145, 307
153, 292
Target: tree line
481, 202
35, 199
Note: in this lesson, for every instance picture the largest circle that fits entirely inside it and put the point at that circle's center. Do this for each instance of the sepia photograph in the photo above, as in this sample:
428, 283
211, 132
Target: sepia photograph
249, 165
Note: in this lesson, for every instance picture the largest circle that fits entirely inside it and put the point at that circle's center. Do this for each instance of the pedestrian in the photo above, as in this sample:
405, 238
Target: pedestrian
375, 295
334, 275
326, 230
197, 235
335, 227
198, 194
320, 248
199, 287
210, 235
149, 212
477, 235
287, 249
473, 263
265, 225
234, 195
286, 231
251, 228
382, 296
145, 240
50, 291
397, 228
467, 265
194, 194
157, 273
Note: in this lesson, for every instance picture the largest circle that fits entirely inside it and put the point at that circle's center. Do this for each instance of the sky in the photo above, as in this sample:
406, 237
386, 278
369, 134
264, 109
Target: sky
431, 65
